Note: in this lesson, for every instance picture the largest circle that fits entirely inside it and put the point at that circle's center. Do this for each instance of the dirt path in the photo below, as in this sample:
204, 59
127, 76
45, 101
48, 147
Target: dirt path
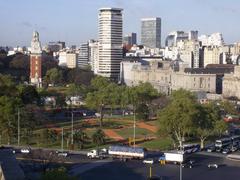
112, 134
147, 126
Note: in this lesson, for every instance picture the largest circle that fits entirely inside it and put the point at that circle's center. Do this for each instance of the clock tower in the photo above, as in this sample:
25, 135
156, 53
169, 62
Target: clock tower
36, 61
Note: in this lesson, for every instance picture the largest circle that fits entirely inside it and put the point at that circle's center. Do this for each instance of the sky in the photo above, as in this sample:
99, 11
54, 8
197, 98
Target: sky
76, 21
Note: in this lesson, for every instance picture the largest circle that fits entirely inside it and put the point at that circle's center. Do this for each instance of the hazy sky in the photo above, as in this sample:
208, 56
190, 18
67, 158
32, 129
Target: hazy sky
75, 21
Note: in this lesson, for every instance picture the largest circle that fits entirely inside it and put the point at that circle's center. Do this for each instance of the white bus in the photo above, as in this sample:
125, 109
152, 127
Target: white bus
220, 144
190, 148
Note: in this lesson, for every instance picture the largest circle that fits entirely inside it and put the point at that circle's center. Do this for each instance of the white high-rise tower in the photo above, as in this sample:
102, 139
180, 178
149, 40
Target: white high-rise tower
110, 42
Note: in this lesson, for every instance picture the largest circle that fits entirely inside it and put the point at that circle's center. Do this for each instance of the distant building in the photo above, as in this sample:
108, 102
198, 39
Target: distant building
110, 42
166, 76
174, 37
56, 46
212, 55
214, 39
83, 56
191, 53
67, 59
36, 61
231, 84
130, 39
93, 55
151, 32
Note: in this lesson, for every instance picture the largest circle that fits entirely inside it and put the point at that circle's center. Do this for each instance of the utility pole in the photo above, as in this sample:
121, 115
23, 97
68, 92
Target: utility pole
134, 127
62, 141
18, 127
180, 171
72, 128
150, 171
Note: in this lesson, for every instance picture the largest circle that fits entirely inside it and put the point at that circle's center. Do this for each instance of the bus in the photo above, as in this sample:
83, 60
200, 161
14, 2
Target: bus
220, 144
190, 148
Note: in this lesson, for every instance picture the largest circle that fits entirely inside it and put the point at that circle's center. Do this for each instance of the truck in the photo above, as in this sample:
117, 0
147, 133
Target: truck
126, 152
174, 157
120, 152
100, 154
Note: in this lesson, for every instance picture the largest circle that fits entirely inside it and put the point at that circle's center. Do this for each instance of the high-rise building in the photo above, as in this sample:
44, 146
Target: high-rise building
151, 32
36, 61
93, 55
174, 37
110, 42
83, 57
130, 39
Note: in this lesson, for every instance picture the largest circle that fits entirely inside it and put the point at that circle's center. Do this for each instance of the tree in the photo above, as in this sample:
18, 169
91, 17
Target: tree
8, 116
54, 76
124, 98
228, 107
52, 135
208, 116
142, 95
98, 137
80, 138
178, 117
28, 94
7, 86
220, 127
99, 97
77, 90
113, 92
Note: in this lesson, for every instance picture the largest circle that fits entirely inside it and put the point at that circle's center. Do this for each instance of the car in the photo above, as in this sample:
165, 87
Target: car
148, 161
226, 151
234, 148
25, 150
211, 149
188, 164
64, 154
213, 165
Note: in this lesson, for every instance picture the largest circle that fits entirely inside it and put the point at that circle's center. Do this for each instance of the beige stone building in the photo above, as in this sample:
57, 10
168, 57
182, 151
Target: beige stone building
71, 60
231, 84
166, 76
211, 55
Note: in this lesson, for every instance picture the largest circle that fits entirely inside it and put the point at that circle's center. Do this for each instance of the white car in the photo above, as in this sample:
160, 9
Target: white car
212, 166
64, 154
148, 161
25, 151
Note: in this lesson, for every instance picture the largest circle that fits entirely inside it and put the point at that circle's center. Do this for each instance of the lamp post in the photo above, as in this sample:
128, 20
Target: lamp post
18, 127
72, 129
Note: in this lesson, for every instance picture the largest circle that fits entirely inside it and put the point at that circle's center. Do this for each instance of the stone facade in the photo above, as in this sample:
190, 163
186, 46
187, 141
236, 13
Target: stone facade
166, 76
231, 84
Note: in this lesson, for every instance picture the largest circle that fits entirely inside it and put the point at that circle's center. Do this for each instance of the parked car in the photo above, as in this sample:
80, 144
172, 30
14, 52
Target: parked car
213, 165
148, 161
211, 149
25, 150
226, 151
64, 154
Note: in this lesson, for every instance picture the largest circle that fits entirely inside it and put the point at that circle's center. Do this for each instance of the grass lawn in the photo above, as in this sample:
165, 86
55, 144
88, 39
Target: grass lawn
128, 132
158, 144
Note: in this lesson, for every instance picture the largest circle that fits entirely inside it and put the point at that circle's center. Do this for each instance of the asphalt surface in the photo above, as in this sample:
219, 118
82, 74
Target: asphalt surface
91, 169
137, 170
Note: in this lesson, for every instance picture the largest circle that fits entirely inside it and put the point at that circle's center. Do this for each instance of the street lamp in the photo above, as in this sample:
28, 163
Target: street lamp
72, 128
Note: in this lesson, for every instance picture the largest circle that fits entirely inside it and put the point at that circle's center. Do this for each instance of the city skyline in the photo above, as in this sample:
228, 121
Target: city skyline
77, 23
